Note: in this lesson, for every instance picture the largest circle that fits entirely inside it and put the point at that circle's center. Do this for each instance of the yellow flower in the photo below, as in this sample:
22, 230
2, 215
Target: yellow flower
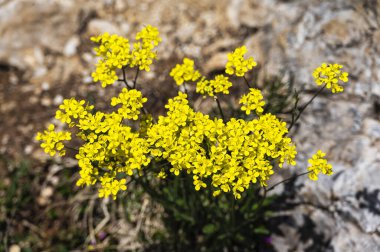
114, 53
185, 72
319, 164
142, 53
220, 84
227, 157
233, 154
132, 101
330, 75
149, 35
72, 109
237, 64
142, 56
52, 140
111, 186
252, 101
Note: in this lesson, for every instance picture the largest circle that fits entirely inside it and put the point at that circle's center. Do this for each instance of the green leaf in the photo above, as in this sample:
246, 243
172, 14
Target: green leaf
261, 230
209, 229
184, 217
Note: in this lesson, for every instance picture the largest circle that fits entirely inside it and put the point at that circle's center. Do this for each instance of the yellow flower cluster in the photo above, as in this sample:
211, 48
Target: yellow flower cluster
252, 101
329, 75
132, 101
142, 53
149, 36
115, 150
72, 109
185, 72
115, 53
111, 186
234, 154
52, 141
110, 148
227, 156
319, 164
237, 64
220, 84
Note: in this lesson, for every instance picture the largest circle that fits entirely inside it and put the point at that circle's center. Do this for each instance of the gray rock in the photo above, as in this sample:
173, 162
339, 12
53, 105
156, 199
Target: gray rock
99, 26
71, 46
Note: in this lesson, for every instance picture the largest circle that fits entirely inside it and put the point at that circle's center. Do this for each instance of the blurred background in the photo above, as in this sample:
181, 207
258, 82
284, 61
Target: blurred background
46, 56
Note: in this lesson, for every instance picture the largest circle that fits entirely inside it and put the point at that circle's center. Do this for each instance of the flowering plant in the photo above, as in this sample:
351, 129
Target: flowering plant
220, 155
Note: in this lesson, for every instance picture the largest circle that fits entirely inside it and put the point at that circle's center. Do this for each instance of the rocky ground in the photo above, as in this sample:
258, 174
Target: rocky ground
46, 56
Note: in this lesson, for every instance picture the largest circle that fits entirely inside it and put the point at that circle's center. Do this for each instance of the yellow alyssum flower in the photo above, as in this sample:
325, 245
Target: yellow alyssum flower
149, 35
330, 75
115, 148
224, 156
114, 53
318, 164
220, 84
252, 101
52, 140
72, 109
142, 56
132, 101
236, 63
142, 53
111, 186
233, 154
185, 72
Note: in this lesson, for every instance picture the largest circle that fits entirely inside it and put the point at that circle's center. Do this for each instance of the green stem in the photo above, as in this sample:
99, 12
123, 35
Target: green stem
264, 197
136, 76
220, 108
286, 180
71, 148
124, 78
246, 82
302, 109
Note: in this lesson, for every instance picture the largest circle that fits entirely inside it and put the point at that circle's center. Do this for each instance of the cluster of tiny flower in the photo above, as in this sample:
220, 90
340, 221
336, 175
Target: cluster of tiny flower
132, 101
252, 101
237, 64
318, 164
115, 53
227, 156
233, 154
184, 72
329, 75
220, 84
52, 140
111, 149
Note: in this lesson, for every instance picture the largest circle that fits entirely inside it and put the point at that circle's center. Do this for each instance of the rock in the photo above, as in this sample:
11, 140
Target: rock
47, 192
45, 86
351, 238
71, 46
233, 13
28, 149
98, 26
185, 32
46, 101
371, 128
216, 63
20, 34
14, 248
255, 14
222, 45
